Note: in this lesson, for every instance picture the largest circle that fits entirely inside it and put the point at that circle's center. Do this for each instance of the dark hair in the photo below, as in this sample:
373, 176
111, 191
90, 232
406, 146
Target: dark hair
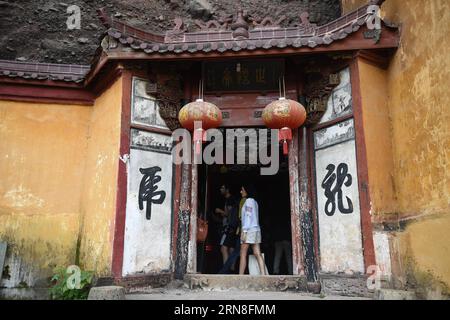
250, 189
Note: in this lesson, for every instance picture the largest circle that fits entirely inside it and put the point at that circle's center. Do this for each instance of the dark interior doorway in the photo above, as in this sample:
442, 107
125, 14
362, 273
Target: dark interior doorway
274, 213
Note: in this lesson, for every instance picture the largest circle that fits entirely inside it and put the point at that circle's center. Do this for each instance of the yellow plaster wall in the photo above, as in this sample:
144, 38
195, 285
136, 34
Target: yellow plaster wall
100, 184
58, 178
42, 156
377, 132
418, 80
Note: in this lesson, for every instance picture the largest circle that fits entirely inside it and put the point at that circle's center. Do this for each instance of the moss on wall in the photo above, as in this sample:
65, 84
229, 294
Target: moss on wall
429, 248
422, 257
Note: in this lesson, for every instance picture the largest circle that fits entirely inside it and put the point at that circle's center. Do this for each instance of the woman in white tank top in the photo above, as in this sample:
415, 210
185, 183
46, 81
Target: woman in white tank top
250, 229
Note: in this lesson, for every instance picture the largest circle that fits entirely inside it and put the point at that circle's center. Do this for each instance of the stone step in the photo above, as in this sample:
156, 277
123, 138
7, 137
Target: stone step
389, 294
248, 282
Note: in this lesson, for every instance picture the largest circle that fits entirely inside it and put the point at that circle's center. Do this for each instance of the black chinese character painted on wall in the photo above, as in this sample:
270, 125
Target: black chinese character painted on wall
148, 190
339, 178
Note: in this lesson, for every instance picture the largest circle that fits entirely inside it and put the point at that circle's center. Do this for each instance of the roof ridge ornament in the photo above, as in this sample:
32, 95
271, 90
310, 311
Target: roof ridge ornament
177, 33
215, 25
104, 18
240, 27
305, 24
266, 22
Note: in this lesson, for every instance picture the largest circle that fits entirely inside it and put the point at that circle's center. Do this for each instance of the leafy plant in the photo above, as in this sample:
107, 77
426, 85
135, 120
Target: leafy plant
70, 283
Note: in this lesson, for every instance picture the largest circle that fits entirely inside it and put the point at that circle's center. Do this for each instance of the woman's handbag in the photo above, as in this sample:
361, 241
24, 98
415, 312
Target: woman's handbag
202, 229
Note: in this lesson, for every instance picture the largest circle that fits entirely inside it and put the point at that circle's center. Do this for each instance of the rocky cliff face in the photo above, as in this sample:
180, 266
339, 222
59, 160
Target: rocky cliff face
36, 30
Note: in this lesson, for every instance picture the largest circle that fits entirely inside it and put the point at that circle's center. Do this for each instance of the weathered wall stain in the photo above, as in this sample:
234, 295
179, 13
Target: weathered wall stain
21, 198
36, 245
429, 244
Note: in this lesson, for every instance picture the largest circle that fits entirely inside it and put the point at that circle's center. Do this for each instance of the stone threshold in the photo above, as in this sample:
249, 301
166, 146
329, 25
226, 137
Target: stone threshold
248, 282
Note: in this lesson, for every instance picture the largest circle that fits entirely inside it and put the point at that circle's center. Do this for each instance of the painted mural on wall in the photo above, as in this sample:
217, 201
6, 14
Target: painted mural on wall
338, 199
145, 109
148, 220
340, 101
148, 141
338, 133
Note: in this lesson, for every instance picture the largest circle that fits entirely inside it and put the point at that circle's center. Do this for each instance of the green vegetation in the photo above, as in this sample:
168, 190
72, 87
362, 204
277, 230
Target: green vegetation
70, 283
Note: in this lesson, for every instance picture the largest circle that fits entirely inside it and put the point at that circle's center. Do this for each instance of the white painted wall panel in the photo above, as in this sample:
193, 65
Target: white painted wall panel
147, 241
339, 232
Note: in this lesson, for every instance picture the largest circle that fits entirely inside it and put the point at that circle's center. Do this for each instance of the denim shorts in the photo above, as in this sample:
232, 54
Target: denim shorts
253, 237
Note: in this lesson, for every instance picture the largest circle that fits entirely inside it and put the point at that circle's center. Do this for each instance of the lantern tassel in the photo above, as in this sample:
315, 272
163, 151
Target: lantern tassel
199, 138
285, 147
284, 135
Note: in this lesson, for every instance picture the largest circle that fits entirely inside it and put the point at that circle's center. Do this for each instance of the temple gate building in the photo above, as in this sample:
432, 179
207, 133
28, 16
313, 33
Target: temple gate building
88, 178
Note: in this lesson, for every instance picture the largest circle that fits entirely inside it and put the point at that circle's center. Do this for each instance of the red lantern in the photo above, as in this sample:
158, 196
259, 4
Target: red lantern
199, 110
284, 114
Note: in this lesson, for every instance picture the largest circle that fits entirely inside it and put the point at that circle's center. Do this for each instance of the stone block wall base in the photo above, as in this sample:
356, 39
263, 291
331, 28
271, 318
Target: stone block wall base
388, 294
107, 293
24, 294
131, 283
345, 285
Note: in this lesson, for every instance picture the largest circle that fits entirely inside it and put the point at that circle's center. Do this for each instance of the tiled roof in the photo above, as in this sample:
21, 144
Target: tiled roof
213, 37
43, 71
178, 41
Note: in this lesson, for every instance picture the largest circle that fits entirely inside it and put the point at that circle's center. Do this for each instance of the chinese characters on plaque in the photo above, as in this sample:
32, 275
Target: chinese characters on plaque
261, 75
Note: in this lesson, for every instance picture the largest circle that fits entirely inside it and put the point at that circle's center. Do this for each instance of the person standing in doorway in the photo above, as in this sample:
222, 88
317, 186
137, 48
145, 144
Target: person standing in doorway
283, 245
250, 229
229, 223
229, 264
